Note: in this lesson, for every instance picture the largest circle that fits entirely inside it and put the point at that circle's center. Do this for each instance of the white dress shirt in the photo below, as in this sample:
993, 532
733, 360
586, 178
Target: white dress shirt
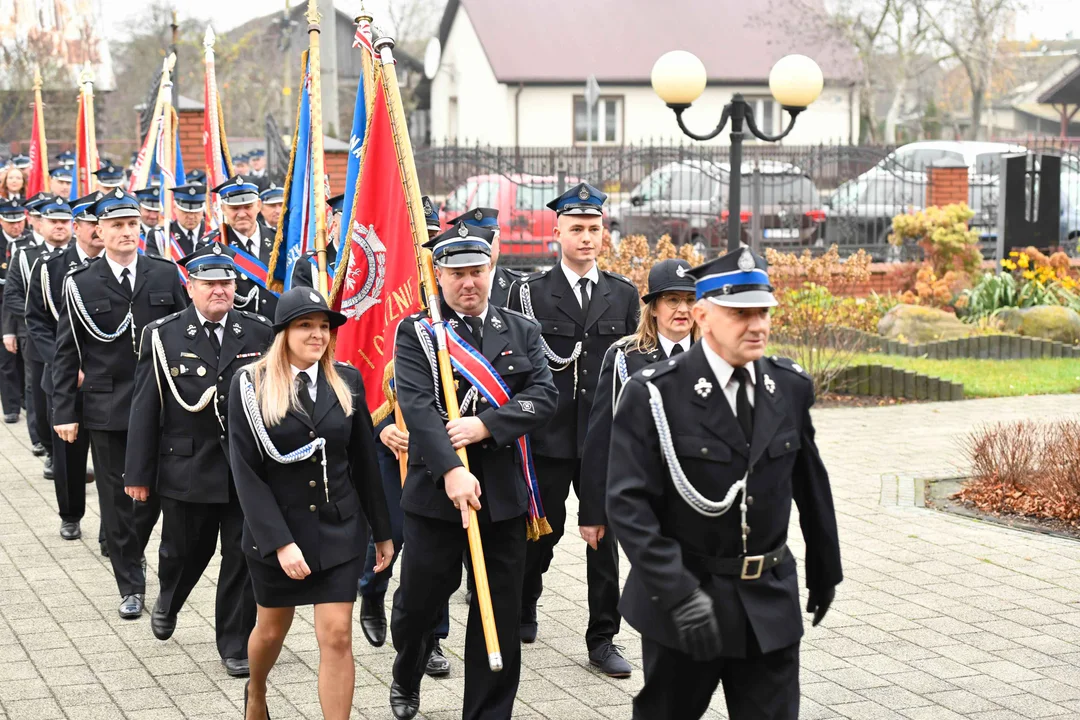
219, 330
573, 278
250, 244
117, 269
313, 375
82, 253
725, 375
667, 345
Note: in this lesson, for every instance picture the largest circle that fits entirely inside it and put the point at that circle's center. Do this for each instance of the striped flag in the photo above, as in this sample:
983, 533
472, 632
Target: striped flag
86, 159
218, 163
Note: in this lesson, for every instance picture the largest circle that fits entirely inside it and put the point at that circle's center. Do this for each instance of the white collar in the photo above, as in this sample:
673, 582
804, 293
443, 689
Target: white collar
573, 278
203, 320
82, 253
38, 237
668, 344
253, 238
721, 368
117, 268
312, 372
482, 316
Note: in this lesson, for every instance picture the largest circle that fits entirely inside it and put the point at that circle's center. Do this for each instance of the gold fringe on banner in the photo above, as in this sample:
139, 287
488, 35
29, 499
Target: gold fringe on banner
224, 140
383, 411
271, 266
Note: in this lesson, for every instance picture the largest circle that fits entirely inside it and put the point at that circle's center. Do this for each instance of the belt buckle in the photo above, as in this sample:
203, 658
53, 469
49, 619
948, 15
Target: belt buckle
746, 562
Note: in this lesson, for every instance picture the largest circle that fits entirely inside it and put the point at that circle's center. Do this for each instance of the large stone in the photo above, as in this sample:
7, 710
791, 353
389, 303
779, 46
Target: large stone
917, 325
1049, 322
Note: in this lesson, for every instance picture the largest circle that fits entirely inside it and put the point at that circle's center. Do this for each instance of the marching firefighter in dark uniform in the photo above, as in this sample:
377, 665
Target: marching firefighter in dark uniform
271, 203
244, 231
501, 277
439, 490
150, 231
14, 236
43, 303
106, 306
178, 447
582, 310
708, 451
190, 224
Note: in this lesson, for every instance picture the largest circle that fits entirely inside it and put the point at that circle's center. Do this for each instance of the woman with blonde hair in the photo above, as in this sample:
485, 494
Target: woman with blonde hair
303, 459
12, 183
665, 329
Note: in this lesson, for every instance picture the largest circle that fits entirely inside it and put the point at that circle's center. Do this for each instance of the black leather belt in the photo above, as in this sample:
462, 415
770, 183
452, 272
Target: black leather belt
748, 567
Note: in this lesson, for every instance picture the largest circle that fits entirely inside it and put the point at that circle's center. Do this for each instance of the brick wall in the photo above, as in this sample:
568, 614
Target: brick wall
335, 163
190, 129
947, 184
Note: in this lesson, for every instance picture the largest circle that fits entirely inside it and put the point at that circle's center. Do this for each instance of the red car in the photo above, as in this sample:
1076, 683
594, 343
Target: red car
526, 225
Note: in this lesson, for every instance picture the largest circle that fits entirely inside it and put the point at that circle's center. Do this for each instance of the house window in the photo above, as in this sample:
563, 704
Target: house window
764, 114
607, 120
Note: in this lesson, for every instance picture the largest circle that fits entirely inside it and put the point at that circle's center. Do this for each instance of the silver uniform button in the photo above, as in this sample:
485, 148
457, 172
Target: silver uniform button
311, 483
312, 508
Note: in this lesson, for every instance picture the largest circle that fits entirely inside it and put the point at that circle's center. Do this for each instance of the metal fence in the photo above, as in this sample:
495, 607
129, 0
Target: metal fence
794, 197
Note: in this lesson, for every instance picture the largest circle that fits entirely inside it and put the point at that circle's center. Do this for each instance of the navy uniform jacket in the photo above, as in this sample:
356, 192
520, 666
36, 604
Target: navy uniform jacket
154, 241
43, 308
180, 454
304, 270
181, 235
16, 286
511, 344
662, 535
108, 367
594, 458
613, 313
501, 280
285, 503
261, 301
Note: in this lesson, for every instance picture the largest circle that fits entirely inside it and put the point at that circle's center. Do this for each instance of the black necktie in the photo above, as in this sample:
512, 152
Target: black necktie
743, 410
675, 350
211, 329
476, 326
583, 285
125, 281
302, 382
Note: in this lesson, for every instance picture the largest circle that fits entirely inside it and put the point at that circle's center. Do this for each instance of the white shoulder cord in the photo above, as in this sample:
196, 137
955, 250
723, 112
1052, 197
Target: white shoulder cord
78, 308
553, 359
258, 429
46, 290
208, 395
618, 379
689, 493
471, 395
242, 301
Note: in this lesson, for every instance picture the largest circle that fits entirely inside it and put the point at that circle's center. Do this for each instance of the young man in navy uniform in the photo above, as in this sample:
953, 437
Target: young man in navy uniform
178, 447
439, 490
150, 230
106, 305
582, 310
190, 224
708, 450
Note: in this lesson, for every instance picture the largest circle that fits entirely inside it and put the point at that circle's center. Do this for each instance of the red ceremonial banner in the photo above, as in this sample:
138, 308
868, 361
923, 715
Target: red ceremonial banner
382, 285
38, 181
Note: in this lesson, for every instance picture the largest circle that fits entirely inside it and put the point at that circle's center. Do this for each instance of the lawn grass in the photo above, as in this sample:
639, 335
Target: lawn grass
987, 378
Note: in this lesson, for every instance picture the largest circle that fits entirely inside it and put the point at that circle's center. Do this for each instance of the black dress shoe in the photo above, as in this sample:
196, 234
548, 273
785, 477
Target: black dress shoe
236, 667
70, 530
528, 627
47, 473
373, 619
38, 449
437, 664
404, 703
131, 608
11, 418
161, 624
104, 549
609, 661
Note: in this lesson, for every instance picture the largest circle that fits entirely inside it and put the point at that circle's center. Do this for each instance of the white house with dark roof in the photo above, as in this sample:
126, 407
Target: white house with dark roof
513, 73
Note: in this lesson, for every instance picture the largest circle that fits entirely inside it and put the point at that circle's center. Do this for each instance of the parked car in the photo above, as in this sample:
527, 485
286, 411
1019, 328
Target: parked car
981, 158
526, 225
688, 200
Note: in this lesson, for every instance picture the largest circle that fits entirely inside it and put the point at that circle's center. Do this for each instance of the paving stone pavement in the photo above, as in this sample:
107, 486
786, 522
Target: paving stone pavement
939, 617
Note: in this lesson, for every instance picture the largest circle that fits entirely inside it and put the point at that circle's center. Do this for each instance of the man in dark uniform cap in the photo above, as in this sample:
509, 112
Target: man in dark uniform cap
13, 232
196, 177
43, 302
708, 451
439, 490
189, 226
106, 305
60, 182
257, 172
22, 162
109, 176
271, 202
244, 231
583, 310
150, 231
501, 277
177, 447
66, 159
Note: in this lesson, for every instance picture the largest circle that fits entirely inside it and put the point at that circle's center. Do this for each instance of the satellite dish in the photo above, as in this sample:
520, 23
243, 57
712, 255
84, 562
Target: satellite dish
432, 56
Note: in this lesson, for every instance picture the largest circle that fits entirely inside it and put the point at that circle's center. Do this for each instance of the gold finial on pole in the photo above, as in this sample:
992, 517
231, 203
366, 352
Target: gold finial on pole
37, 79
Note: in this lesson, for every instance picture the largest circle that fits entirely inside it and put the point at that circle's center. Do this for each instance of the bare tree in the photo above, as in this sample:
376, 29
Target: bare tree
864, 23
908, 33
415, 21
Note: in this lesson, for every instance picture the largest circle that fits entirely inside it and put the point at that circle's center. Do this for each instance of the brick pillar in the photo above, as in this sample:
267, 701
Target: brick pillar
335, 164
947, 183
189, 128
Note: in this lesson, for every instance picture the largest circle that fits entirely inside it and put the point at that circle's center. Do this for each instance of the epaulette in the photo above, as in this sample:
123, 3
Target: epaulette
77, 270
789, 365
529, 277
159, 259
515, 313
617, 276
654, 371
255, 316
168, 318
516, 274
622, 342
339, 363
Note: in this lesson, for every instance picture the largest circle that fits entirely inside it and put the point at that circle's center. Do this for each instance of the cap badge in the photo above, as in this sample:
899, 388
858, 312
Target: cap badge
118, 194
462, 231
583, 194
191, 191
703, 387
478, 214
217, 248
746, 260
680, 271
427, 208
770, 384
314, 297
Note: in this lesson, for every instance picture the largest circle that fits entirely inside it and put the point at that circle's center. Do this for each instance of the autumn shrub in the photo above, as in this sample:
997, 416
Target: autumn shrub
933, 291
634, 257
947, 242
829, 270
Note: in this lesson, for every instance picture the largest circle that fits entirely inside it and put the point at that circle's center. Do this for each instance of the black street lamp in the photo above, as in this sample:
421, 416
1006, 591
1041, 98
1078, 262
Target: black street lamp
679, 78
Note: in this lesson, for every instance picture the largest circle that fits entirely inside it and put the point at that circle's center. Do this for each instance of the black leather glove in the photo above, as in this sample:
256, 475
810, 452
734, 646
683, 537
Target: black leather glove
699, 632
819, 603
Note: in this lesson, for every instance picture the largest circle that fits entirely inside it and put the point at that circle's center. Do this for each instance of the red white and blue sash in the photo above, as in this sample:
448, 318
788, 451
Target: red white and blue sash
252, 267
476, 369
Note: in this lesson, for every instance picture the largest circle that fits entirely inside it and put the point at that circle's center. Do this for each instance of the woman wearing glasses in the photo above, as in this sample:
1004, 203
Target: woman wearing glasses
666, 328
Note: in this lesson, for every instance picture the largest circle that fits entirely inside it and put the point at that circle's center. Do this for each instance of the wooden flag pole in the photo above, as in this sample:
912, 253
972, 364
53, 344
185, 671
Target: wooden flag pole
86, 82
317, 170
39, 113
168, 161
384, 46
